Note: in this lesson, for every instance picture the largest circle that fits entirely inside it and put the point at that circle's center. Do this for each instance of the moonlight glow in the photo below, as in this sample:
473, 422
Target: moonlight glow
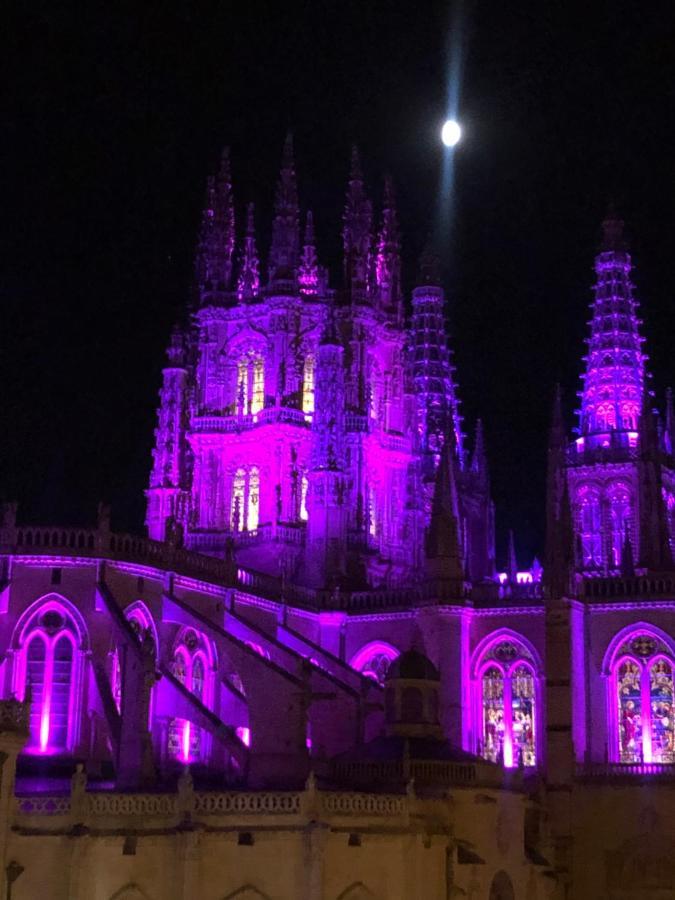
451, 133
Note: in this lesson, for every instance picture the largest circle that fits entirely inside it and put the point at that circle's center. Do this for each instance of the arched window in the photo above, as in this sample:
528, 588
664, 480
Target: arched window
141, 624
245, 504
374, 660
589, 516
48, 669
507, 704
308, 381
250, 397
620, 516
190, 667
642, 700
372, 511
304, 485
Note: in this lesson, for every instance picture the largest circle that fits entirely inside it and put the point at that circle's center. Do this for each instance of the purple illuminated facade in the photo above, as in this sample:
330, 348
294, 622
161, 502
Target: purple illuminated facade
319, 581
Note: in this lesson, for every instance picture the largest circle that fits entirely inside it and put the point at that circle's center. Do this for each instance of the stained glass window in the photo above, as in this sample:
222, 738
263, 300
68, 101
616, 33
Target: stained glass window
630, 712
662, 699
523, 716
508, 705
258, 394
304, 485
238, 487
644, 701
493, 714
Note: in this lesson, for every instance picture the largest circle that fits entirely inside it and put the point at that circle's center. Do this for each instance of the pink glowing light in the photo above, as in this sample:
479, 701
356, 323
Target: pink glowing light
244, 735
185, 742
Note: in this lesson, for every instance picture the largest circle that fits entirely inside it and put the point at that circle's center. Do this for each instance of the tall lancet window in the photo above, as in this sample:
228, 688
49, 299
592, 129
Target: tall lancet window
506, 703
308, 380
250, 398
642, 701
589, 514
304, 486
620, 514
48, 669
245, 503
190, 667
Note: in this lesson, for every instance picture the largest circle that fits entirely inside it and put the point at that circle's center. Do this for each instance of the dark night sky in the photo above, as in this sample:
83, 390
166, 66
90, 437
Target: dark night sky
112, 122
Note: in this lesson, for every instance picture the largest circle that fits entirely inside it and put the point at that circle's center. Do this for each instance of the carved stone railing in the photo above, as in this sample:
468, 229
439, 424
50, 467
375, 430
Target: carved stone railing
102, 803
245, 803
626, 772
353, 804
14, 716
109, 804
637, 587
42, 805
439, 772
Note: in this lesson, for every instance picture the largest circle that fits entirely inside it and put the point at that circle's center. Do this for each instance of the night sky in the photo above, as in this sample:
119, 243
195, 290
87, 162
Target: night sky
112, 123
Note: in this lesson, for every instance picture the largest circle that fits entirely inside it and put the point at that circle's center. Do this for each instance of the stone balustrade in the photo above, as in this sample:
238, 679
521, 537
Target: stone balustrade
626, 772
198, 804
627, 588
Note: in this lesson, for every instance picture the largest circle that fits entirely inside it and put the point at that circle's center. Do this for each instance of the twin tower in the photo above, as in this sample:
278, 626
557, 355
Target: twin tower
314, 432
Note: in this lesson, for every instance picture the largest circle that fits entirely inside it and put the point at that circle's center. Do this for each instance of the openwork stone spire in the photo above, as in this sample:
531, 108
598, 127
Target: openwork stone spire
308, 272
388, 258
248, 283
284, 252
216, 236
357, 231
432, 369
615, 365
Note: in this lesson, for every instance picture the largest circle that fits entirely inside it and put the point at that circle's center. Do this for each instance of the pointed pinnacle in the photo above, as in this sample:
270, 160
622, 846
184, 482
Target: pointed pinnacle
612, 231
250, 220
512, 560
287, 157
224, 171
355, 172
309, 229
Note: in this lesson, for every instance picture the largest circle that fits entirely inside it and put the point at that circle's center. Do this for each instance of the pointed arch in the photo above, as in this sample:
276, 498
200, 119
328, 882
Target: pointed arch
247, 892
44, 604
373, 660
501, 887
622, 636
506, 682
139, 611
130, 892
356, 891
496, 637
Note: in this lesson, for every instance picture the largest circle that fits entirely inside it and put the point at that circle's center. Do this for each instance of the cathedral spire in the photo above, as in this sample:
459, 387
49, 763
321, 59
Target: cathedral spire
479, 458
248, 283
615, 364
216, 235
443, 543
308, 272
356, 232
388, 258
432, 369
284, 251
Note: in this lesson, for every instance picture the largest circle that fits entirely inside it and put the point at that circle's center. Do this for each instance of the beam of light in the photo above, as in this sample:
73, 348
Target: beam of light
457, 35
186, 741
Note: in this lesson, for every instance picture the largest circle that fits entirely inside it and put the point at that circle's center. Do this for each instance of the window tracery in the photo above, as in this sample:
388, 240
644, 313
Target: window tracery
245, 504
190, 666
507, 704
47, 669
308, 384
374, 659
642, 701
250, 391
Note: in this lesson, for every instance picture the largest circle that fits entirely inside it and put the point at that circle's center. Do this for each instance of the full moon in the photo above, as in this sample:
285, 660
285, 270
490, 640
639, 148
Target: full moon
451, 133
